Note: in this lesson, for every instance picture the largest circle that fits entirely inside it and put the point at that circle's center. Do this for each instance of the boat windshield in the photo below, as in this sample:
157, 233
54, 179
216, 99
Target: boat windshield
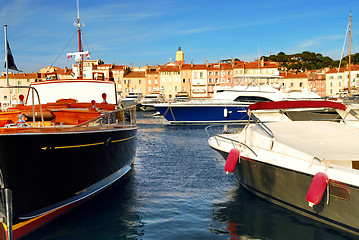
253, 99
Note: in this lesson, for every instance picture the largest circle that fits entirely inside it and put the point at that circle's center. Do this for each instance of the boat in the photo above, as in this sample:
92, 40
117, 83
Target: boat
51, 164
308, 167
227, 105
182, 96
149, 100
132, 99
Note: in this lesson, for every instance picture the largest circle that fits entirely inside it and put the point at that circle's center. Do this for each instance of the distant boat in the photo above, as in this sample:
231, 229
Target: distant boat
309, 167
182, 96
51, 164
132, 99
228, 105
149, 100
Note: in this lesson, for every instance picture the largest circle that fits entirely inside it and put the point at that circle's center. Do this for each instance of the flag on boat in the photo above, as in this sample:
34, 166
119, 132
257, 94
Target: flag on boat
10, 59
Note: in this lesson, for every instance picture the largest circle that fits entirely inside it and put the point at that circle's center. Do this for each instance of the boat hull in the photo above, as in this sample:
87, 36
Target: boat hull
203, 114
49, 172
288, 188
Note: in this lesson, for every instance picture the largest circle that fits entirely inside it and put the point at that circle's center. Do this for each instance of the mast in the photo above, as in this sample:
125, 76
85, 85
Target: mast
350, 45
79, 37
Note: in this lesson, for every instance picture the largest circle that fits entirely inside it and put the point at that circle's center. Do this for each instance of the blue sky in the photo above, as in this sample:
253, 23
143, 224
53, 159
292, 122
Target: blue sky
141, 32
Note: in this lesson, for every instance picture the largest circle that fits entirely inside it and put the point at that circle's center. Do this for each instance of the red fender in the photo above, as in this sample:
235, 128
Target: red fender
232, 160
317, 188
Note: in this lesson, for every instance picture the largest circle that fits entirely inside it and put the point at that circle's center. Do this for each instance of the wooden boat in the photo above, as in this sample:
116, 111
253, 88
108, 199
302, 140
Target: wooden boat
48, 167
67, 142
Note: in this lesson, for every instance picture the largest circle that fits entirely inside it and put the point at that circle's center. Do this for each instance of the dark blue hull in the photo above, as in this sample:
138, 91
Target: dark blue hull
192, 114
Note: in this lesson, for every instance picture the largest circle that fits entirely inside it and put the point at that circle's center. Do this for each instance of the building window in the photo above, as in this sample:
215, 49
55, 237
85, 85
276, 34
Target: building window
301, 84
149, 81
201, 75
291, 85
229, 73
184, 80
139, 81
216, 73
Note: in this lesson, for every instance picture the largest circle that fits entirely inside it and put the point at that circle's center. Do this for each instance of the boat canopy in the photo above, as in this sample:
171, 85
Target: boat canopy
296, 104
81, 90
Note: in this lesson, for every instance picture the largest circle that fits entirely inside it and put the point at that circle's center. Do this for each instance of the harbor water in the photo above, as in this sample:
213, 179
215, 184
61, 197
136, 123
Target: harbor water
178, 189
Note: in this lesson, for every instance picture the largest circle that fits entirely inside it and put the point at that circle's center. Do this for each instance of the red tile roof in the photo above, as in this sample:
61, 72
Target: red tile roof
297, 75
137, 74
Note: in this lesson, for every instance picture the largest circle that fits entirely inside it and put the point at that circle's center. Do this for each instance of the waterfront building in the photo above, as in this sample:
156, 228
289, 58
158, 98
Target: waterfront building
16, 79
317, 84
335, 81
152, 80
118, 71
170, 79
199, 81
186, 78
134, 81
295, 81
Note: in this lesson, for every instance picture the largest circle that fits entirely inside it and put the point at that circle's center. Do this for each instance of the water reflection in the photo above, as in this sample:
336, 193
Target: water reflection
245, 216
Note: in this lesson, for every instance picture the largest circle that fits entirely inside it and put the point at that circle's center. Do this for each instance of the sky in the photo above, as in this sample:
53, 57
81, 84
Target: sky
149, 32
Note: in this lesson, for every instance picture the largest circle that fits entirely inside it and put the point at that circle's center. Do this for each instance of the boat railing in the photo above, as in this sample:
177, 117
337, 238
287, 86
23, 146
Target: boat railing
259, 123
208, 101
119, 117
34, 90
226, 130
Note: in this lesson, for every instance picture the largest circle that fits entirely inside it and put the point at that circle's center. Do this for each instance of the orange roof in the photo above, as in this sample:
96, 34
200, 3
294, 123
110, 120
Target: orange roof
169, 69
22, 75
120, 67
136, 74
352, 68
297, 75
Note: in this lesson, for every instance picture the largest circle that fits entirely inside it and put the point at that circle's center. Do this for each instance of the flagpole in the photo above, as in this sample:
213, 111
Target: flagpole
6, 52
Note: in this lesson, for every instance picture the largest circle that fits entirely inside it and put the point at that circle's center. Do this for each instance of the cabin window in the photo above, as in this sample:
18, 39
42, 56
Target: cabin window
252, 99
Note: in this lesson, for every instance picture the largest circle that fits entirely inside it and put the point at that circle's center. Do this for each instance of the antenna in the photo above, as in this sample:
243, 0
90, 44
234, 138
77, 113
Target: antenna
78, 11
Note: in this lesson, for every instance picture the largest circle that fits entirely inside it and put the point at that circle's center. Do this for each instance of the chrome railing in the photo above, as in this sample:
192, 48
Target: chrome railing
123, 116
33, 102
216, 137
